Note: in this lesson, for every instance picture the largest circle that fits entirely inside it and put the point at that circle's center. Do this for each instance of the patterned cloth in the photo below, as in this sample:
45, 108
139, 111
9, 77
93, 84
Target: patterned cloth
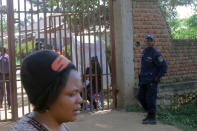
27, 123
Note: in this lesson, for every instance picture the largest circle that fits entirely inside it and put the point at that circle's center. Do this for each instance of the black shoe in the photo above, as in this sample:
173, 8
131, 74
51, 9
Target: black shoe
146, 118
150, 121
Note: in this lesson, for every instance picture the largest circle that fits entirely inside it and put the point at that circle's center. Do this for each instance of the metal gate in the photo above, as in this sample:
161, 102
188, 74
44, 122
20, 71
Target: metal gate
81, 30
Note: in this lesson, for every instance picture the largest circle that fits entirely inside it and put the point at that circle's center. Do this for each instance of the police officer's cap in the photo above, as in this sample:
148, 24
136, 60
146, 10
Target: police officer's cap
150, 36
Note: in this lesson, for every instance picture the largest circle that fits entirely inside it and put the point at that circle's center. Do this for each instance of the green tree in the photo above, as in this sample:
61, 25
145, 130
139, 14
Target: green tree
80, 9
184, 28
169, 6
192, 22
3, 27
180, 28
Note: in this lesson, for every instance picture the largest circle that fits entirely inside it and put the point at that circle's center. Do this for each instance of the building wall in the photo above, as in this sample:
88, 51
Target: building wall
181, 55
183, 76
133, 20
148, 19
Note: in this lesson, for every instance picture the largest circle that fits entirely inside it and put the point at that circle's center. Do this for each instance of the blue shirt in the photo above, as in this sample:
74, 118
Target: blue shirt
152, 65
6, 64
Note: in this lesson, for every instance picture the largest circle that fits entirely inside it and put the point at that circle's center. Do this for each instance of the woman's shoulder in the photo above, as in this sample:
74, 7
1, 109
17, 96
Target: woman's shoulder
24, 124
65, 127
28, 124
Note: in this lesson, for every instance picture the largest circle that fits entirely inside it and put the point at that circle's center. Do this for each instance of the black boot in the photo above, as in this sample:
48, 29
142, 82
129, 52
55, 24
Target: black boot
151, 119
147, 116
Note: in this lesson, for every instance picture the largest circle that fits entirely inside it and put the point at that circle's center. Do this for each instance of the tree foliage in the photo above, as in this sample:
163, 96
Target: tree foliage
78, 10
169, 6
180, 28
184, 28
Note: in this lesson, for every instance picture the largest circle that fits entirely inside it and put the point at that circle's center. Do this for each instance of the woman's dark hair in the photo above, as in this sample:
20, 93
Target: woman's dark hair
42, 84
4, 49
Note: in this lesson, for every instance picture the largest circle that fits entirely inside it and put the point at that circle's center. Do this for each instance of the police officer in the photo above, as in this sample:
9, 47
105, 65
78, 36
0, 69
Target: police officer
153, 67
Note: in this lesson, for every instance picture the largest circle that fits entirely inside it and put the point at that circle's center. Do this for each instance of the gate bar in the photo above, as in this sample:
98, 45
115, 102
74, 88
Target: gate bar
12, 60
113, 60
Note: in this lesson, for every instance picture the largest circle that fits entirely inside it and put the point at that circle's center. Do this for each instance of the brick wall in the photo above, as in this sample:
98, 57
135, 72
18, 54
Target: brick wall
148, 19
182, 78
183, 62
181, 55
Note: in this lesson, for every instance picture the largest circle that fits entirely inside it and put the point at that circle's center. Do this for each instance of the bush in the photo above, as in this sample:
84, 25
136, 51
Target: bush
23, 50
183, 116
26, 49
178, 100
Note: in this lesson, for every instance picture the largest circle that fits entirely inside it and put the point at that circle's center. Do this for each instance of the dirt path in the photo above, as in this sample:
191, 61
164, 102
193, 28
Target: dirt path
108, 121
115, 121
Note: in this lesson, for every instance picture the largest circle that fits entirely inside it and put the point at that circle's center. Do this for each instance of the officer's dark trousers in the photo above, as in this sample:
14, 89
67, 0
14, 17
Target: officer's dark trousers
2, 89
147, 96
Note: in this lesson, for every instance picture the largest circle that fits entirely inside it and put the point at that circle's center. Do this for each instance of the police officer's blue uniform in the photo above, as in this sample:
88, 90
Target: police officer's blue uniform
153, 65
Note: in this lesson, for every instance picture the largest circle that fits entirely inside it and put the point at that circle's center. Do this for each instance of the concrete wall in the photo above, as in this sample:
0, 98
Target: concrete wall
124, 52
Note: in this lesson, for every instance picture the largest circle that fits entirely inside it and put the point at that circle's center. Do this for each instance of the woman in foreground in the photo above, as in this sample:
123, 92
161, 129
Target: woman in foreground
53, 87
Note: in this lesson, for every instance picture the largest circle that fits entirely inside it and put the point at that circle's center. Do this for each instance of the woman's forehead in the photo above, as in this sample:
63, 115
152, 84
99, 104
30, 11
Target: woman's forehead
74, 79
74, 75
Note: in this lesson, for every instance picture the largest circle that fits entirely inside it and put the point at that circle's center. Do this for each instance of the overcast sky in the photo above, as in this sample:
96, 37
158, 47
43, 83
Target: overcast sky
185, 12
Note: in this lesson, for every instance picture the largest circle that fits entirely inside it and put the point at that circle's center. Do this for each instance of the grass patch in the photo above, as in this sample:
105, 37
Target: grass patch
136, 109
183, 117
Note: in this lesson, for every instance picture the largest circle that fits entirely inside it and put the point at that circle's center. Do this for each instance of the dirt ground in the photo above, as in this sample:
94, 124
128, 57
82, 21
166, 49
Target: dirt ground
108, 121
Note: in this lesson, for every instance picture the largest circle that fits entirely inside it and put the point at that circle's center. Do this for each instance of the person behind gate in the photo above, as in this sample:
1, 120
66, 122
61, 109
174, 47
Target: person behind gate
96, 79
4, 72
153, 67
53, 87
